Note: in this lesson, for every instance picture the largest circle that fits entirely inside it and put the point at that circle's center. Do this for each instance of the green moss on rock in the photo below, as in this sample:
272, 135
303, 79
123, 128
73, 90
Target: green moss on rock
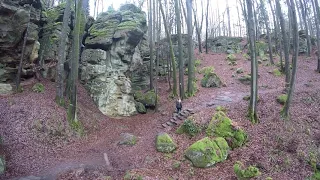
276, 72
282, 99
141, 108
189, 127
221, 108
246, 79
207, 152
211, 79
148, 99
164, 143
245, 173
221, 126
38, 88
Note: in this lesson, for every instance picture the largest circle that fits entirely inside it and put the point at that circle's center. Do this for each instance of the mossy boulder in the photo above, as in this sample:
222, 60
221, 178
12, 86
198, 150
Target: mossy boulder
282, 99
207, 152
141, 108
276, 72
243, 173
38, 88
222, 126
246, 79
211, 79
239, 71
164, 143
189, 127
148, 99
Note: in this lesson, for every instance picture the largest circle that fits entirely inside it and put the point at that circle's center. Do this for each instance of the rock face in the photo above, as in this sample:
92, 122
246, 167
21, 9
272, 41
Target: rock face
14, 18
111, 57
207, 152
224, 44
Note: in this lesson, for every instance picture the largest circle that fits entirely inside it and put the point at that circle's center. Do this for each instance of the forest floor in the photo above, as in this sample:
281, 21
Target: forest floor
38, 141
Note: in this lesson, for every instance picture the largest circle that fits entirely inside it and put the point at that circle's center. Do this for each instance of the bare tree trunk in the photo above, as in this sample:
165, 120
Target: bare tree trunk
254, 66
62, 54
304, 15
317, 16
229, 20
207, 24
158, 27
174, 73
294, 58
180, 60
18, 78
191, 74
266, 21
285, 43
72, 110
151, 43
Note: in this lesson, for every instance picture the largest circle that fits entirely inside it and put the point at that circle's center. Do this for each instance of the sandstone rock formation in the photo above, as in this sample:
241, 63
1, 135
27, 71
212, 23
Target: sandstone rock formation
113, 57
14, 18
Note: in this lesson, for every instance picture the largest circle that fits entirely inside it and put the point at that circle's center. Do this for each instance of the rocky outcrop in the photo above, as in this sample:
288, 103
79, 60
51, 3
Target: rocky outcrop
224, 44
112, 56
14, 18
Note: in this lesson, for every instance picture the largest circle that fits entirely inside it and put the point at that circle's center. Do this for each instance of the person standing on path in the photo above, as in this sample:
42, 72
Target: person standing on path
178, 105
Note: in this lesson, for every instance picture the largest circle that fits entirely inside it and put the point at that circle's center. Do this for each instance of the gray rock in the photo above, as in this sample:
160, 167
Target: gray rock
239, 71
5, 89
128, 139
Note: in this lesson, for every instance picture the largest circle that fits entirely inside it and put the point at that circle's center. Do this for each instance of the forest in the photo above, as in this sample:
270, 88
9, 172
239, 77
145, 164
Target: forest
159, 89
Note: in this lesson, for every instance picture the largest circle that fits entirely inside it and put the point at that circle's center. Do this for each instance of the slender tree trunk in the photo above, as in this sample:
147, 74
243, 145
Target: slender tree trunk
18, 78
294, 58
158, 27
62, 54
229, 20
180, 60
299, 13
72, 111
151, 43
317, 16
285, 43
174, 73
254, 65
266, 21
304, 15
191, 88
207, 24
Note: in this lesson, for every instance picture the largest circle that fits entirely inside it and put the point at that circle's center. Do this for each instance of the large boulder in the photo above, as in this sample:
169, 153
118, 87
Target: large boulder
14, 19
164, 143
5, 89
112, 59
211, 80
207, 152
222, 126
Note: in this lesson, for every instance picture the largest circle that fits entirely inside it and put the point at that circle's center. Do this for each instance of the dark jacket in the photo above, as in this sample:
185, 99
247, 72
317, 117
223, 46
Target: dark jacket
178, 105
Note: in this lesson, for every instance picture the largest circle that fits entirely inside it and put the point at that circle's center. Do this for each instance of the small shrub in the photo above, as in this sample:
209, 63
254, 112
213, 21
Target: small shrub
197, 63
246, 56
231, 57
176, 164
245, 173
206, 70
38, 88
